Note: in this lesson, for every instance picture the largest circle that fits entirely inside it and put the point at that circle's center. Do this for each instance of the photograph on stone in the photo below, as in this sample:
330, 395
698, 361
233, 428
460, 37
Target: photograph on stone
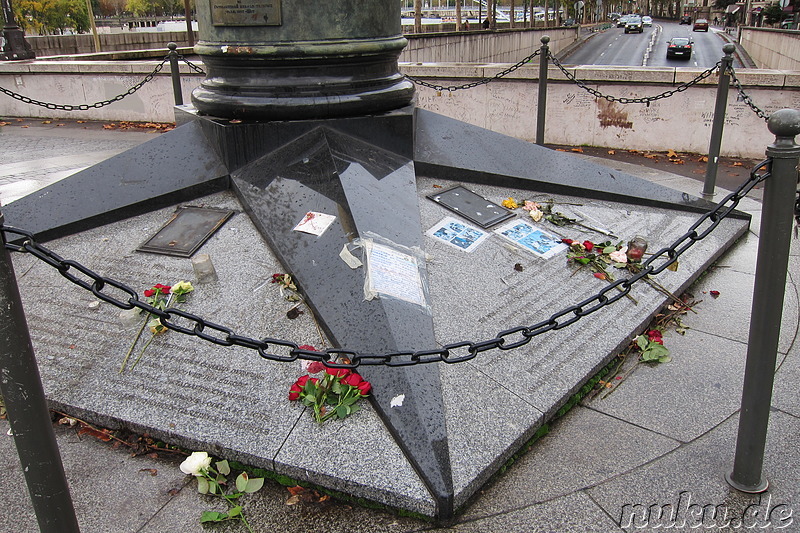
309, 114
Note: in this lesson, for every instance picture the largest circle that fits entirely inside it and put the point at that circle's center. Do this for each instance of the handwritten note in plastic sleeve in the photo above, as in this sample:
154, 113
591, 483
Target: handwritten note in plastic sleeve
395, 274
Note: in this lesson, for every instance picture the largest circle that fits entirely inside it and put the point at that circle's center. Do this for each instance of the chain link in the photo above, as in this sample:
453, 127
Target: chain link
745, 97
84, 107
482, 81
192, 66
126, 298
644, 100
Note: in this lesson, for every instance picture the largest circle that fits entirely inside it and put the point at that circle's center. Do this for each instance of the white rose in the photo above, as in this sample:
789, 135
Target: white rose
196, 464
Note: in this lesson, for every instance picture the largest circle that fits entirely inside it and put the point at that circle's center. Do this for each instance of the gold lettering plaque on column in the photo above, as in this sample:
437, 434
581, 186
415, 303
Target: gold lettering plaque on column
246, 12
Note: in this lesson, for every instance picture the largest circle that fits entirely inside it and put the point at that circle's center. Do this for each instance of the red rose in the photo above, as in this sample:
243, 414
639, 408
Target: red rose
588, 245
568, 242
303, 380
339, 372
600, 275
149, 293
164, 288
353, 380
315, 366
307, 347
364, 387
655, 335
295, 390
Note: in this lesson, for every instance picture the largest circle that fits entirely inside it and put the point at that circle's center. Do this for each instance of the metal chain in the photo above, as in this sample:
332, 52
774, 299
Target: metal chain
745, 97
644, 100
84, 107
192, 66
508, 339
482, 81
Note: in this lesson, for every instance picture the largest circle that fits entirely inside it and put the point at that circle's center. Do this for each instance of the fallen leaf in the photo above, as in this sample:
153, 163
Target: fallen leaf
235, 121
677, 162
25, 126
633, 151
81, 121
67, 421
703, 159
20, 120
560, 150
651, 156
153, 455
579, 150
57, 125
671, 153
152, 471
600, 275
738, 164
714, 294
437, 186
611, 152
293, 500
96, 433
173, 492
46, 121
297, 489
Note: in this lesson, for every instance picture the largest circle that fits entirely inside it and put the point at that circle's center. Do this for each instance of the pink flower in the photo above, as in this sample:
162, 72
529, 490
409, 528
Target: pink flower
315, 367
619, 256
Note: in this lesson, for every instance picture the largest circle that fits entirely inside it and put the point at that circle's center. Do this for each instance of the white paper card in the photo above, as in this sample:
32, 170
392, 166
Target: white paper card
531, 238
315, 223
457, 234
394, 274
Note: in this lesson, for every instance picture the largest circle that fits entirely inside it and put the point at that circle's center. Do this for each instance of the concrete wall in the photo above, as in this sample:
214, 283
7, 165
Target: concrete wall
505, 46
574, 117
772, 48
58, 45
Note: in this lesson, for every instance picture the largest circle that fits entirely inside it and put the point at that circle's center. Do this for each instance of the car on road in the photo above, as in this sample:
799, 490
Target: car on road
647, 21
634, 24
622, 21
700, 25
679, 47
686, 19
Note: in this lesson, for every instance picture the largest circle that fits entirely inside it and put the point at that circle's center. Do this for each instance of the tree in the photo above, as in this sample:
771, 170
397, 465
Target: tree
773, 13
417, 16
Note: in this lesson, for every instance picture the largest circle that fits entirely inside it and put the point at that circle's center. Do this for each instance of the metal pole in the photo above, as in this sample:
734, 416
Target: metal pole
719, 121
27, 409
780, 190
15, 47
176, 73
541, 108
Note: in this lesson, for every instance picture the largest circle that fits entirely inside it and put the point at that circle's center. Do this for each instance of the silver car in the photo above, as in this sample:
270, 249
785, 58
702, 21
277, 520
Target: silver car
647, 21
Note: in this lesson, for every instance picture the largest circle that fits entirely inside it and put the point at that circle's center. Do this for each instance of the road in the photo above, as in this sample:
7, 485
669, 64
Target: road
615, 47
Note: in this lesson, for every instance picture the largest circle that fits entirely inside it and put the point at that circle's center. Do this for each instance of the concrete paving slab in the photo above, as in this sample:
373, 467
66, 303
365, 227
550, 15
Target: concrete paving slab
728, 314
669, 399
584, 448
696, 472
110, 492
574, 513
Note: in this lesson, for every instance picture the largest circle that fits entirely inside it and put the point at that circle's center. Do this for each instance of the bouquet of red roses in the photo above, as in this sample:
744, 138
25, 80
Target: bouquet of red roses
335, 393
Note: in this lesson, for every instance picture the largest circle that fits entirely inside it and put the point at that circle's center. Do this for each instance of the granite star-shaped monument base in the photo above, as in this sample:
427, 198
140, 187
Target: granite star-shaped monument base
434, 433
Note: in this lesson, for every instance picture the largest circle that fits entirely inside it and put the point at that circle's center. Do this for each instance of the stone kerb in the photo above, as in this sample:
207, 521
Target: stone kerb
507, 105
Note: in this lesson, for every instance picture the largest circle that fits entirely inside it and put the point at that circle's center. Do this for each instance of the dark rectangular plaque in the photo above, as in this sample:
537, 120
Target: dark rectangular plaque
186, 231
246, 12
471, 206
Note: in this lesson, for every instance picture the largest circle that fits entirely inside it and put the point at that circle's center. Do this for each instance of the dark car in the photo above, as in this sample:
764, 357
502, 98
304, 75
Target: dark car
700, 25
679, 47
634, 24
686, 19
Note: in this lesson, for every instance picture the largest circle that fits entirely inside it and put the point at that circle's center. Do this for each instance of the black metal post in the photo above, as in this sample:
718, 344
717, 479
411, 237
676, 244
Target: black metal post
176, 73
780, 190
541, 108
15, 46
28, 414
719, 121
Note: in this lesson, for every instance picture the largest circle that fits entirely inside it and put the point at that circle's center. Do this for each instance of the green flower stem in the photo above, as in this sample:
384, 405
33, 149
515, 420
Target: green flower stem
135, 340
230, 500
153, 336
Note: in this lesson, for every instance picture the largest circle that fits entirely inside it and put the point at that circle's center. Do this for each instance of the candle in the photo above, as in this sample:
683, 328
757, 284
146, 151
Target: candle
636, 248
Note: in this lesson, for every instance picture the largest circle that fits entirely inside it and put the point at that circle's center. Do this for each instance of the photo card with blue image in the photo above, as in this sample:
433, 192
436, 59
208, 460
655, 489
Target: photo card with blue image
457, 234
531, 238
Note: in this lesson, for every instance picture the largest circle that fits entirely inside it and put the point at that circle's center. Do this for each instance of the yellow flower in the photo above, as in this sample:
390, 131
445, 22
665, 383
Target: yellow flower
182, 287
510, 203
